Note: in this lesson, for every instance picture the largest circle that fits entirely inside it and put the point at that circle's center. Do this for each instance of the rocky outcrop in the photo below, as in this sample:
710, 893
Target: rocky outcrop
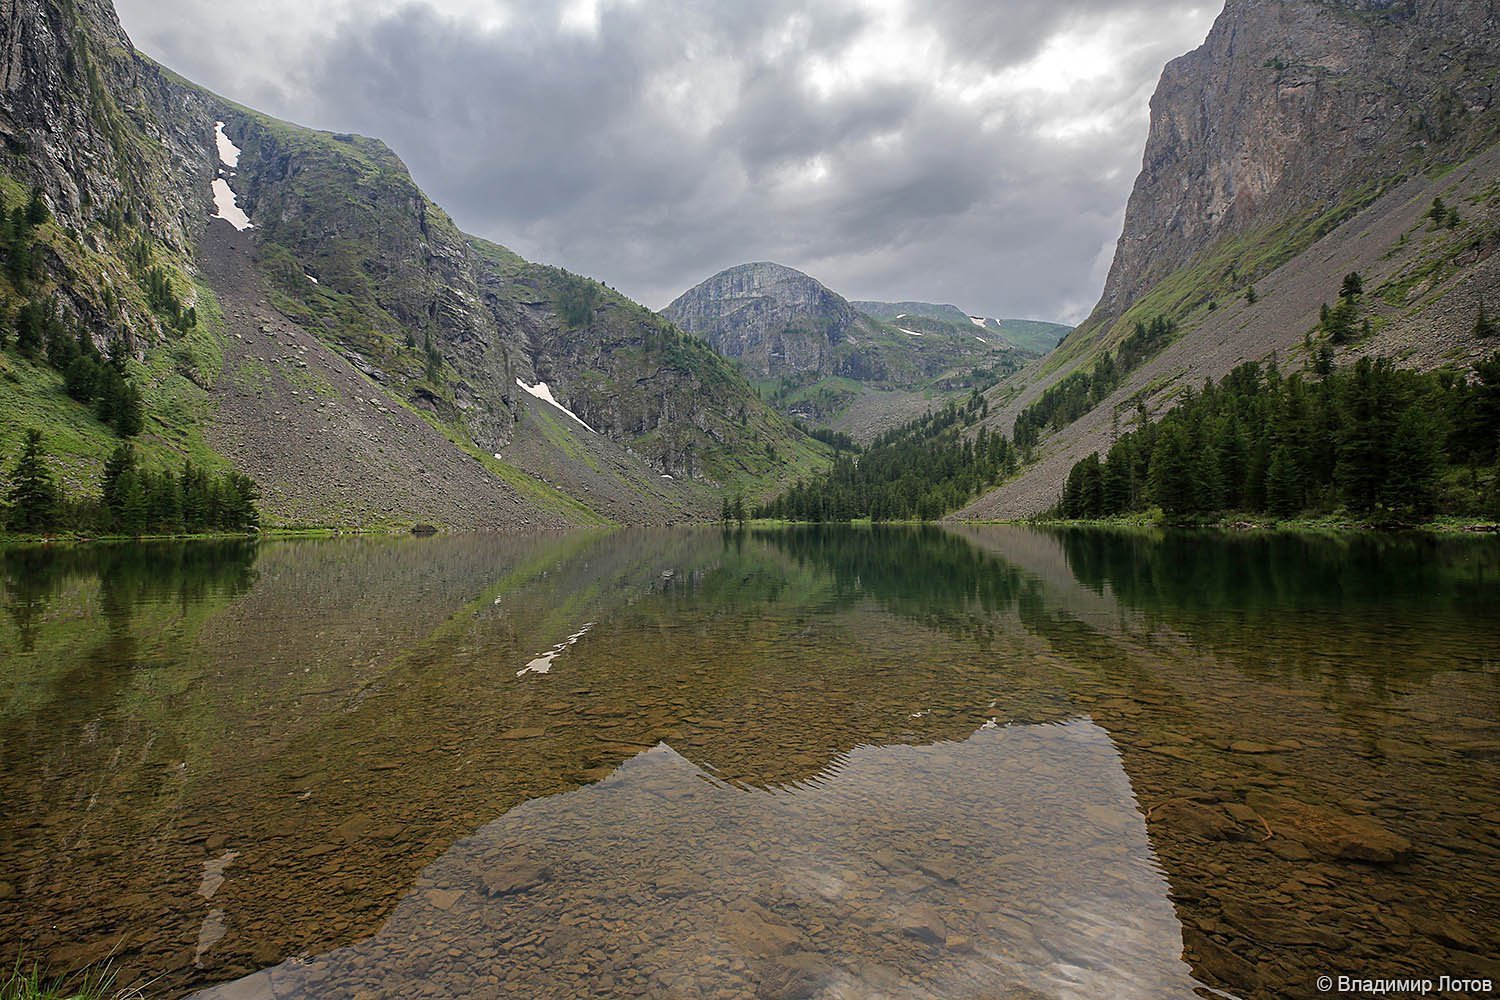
348, 215
96, 125
1293, 106
117, 151
774, 321
1303, 140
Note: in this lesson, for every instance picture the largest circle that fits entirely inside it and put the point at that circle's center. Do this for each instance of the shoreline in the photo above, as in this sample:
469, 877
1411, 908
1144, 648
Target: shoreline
1447, 525
1243, 525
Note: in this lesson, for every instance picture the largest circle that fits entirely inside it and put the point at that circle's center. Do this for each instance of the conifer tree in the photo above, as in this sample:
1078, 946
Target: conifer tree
81, 378
195, 498
134, 514
36, 209
1171, 476
240, 512
34, 497
119, 467
31, 330
1283, 491
130, 416
1493, 504
1410, 487
164, 502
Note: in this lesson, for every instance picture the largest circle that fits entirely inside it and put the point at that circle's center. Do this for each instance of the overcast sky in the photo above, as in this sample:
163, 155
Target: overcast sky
977, 152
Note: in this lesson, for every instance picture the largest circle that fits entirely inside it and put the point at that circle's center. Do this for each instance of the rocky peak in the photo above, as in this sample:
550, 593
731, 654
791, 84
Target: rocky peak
1291, 106
771, 318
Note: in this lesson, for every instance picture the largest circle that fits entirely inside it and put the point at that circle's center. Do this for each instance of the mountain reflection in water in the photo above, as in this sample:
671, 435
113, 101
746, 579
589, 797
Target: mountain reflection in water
757, 763
1015, 859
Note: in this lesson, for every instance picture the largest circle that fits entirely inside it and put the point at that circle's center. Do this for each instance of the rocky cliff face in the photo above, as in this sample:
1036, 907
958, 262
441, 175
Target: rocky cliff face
1303, 140
97, 126
1291, 106
773, 320
116, 149
348, 236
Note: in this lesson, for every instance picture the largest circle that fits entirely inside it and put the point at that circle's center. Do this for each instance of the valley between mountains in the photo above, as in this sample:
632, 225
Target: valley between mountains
211, 286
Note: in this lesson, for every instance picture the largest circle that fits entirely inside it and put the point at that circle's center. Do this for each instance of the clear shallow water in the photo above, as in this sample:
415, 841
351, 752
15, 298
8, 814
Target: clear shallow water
984, 762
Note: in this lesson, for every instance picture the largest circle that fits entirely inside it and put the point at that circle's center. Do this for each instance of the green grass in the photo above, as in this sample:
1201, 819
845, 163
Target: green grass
174, 380
174, 377
1220, 274
1037, 336
31, 983
545, 496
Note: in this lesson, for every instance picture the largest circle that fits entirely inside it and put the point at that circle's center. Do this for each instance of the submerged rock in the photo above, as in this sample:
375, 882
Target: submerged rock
514, 876
758, 933
924, 923
1330, 833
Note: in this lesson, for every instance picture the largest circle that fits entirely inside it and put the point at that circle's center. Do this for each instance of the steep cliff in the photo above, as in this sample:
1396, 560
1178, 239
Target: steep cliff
1302, 141
1295, 105
356, 250
96, 126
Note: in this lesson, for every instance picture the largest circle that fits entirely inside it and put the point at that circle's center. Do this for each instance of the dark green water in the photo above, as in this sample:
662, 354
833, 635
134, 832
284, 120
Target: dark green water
988, 762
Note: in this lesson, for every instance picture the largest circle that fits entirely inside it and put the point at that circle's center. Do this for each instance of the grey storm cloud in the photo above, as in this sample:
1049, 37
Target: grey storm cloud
978, 152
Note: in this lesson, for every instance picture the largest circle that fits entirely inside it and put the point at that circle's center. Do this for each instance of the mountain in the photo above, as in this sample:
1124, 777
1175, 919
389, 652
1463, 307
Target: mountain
1032, 335
1302, 141
821, 359
290, 304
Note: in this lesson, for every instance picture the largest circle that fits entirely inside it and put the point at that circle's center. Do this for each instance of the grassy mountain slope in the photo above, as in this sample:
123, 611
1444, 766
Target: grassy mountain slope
690, 423
354, 288
1034, 335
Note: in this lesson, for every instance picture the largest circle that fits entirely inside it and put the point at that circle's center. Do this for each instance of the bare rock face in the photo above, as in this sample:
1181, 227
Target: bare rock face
1289, 107
96, 125
104, 134
772, 319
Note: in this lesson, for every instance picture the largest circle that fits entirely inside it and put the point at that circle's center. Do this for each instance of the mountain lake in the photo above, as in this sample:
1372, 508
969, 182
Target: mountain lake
800, 762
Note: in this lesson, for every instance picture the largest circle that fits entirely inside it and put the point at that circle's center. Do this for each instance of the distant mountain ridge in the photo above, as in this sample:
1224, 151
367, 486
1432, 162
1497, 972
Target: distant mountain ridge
820, 358
1032, 335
